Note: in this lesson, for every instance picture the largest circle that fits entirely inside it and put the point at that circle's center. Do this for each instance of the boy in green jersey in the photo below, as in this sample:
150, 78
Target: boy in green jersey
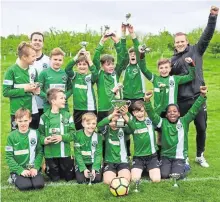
57, 130
55, 77
19, 84
88, 151
24, 153
116, 159
108, 76
82, 85
174, 139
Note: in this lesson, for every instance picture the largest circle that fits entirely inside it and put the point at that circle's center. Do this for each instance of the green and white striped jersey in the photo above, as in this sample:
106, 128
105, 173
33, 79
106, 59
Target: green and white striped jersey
14, 82
22, 149
88, 150
174, 137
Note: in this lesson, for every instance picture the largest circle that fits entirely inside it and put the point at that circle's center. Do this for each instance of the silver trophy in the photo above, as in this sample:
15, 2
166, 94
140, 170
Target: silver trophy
83, 44
137, 183
90, 178
108, 32
175, 177
29, 166
144, 49
127, 16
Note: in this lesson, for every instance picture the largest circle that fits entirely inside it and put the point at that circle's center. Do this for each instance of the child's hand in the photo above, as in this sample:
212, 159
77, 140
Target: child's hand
56, 139
116, 112
26, 173
203, 90
214, 10
47, 140
148, 95
123, 29
86, 173
190, 61
124, 110
104, 39
93, 174
130, 29
162, 85
115, 38
33, 172
36, 91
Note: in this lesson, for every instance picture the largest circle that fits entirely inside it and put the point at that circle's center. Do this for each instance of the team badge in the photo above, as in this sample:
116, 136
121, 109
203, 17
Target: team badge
106, 168
120, 134
94, 143
148, 122
45, 66
178, 126
65, 121
135, 71
171, 83
88, 79
64, 78
33, 141
33, 76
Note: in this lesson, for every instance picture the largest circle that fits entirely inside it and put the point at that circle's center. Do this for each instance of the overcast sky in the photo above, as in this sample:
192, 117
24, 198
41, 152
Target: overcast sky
147, 16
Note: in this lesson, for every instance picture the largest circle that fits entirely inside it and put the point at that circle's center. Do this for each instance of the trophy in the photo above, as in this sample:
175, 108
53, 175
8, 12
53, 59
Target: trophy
137, 183
144, 49
108, 33
83, 44
90, 178
29, 166
127, 16
175, 177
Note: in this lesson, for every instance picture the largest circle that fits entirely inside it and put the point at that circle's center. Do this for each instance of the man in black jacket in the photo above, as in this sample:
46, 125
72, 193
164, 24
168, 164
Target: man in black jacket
190, 91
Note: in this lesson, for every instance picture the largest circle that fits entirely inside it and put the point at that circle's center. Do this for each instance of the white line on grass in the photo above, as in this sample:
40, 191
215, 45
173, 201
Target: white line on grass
58, 184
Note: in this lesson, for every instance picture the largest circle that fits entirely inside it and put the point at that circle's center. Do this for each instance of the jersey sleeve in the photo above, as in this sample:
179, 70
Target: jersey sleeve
41, 130
69, 87
78, 156
187, 78
154, 117
96, 57
69, 135
194, 110
120, 59
43, 93
69, 68
136, 44
147, 73
9, 154
94, 71
8, 83
39, 153
98, 155
101, 125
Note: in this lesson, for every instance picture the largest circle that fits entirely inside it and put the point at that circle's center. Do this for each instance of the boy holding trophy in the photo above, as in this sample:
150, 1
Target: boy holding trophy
24, 153
57, 130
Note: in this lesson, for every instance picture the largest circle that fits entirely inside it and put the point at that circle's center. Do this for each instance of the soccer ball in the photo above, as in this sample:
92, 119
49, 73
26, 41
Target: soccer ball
119, 186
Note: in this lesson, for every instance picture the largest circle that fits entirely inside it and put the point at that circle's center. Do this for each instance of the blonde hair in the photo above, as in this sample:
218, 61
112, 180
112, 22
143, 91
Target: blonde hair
163, 61
21, 112
57, 51
89, 116
23, 49
52, 94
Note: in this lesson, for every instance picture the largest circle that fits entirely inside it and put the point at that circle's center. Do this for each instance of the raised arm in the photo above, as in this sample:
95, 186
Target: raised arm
188, 77
69, 67
208, 32
154, 117
194, 110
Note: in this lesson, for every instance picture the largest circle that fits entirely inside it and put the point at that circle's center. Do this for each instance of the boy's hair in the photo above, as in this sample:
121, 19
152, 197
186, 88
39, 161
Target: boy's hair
23, 49
163, 61
107, 58
21, 112
136, 106
57, 51
131, 50
89, 116
82, 58
37, 33
52, 94
170, 105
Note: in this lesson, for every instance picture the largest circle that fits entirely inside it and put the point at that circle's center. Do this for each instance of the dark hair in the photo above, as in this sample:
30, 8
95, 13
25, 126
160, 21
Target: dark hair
170, 105
136, 106
37, 33
82, 58
107, 58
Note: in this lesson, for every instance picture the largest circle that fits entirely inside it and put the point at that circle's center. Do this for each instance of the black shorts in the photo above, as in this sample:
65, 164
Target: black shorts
170, 165
146, 162
115, 167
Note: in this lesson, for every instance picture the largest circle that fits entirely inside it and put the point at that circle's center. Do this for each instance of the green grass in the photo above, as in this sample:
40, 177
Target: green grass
202, 184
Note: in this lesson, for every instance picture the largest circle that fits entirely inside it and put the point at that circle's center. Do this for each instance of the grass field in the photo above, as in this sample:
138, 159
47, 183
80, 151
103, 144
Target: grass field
201, 185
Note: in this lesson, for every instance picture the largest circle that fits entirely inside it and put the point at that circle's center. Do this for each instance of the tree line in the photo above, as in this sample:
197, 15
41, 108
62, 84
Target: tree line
69, 41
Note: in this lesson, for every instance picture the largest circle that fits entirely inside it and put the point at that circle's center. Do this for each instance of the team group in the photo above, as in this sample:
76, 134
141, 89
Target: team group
43, 127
